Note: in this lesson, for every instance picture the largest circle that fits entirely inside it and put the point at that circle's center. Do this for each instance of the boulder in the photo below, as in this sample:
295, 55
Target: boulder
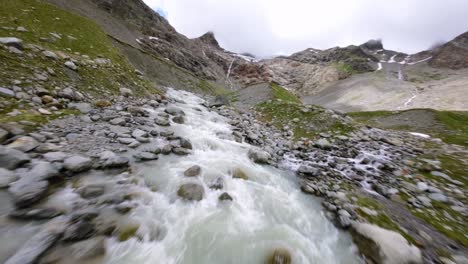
6, 92
185, 143
193, 171
178, 119
27, 191
217, 184
118, 121
126, 92
323, 144
191, 191
384, 246
7, 177
308, 171
173, 110
160, 121
43, 171
82, 107
239, 174
55, 156
225, 197
35, 214
180, 151
3, 135
38, 244
24, 144
145, 156
12, 42
71, 65
12, 158
77, 164
259, 156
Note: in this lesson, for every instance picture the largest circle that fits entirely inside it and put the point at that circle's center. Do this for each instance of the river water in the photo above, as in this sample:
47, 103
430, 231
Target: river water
268, 210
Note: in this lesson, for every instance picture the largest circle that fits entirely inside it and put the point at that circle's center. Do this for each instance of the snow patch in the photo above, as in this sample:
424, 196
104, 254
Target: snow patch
392, 59
410, 100
153, 38
419, 134
379, 66
423, 60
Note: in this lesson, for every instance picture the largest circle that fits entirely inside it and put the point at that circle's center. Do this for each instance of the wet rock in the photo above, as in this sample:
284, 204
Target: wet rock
280, 256
35, 214
259, 156
77, 164
167, 149
308, 171
160, 121
111, 160
79, 230
126, 92
145, 156
138, 111
7, 177
185, 143
24, 144
87, 251
193, 171
127, 231
239, 174
384, 246
191, 191
37, 245
26, 191
180, 151
4, 92
178, 119
225, 197
173, 110
91, 191
218, 184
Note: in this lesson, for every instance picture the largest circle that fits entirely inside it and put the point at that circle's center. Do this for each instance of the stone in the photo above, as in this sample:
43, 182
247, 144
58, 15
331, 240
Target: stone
384, 246
139, 133
6, 92
77, 164
71, 65
145, 156
26, 191
91, 191
239, 174
193, 171
173, 110
82, 107
43, 170
167, 149
160, 121
35, 214
218, 184
126, 92
126, 141
50, 55
191, 191
181, 151
39, 243
323, 144
24, 144
178, 119
185, 143
118, 121
422, 186
79, 230
280, 256
438, 197
55, 156
7, 177
47, 99
225, 197
308, 171
259, 156
3, 135
12, 42
12, 158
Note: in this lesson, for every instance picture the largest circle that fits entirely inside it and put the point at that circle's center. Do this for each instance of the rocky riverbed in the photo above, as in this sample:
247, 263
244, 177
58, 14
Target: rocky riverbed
162, 177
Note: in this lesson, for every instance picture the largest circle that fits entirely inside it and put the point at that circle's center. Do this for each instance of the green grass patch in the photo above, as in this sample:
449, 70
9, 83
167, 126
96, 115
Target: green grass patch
305, 122
283, 94
450, 126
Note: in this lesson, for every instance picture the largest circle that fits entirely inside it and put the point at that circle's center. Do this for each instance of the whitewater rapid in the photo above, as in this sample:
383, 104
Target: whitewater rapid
268, 211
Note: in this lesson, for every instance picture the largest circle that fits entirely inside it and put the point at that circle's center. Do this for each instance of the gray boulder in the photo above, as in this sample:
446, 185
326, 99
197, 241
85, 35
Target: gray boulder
193, 171
259, 156
384, 246
173, 110
308, 171
71, 65
6, 92
37, 245
24, 144
27, 191
126, 92
77, 164
3, 135
7, 177
12, 42
191, 191
12, 158
145, 156
82, 107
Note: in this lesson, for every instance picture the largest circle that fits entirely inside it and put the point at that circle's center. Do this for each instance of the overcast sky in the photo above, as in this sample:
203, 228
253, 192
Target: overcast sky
272, 27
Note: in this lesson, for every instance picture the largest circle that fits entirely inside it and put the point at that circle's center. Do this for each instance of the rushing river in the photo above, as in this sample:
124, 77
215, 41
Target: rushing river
268, 210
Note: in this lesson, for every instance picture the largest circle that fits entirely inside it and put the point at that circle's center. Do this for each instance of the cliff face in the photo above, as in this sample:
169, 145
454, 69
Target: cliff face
453, 55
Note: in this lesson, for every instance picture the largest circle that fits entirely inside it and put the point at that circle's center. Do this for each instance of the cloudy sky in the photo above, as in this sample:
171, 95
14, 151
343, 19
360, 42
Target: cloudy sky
272, 27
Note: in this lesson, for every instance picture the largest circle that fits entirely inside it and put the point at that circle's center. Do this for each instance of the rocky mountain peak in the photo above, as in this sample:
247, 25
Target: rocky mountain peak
373, 44
210, 39
453, 55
